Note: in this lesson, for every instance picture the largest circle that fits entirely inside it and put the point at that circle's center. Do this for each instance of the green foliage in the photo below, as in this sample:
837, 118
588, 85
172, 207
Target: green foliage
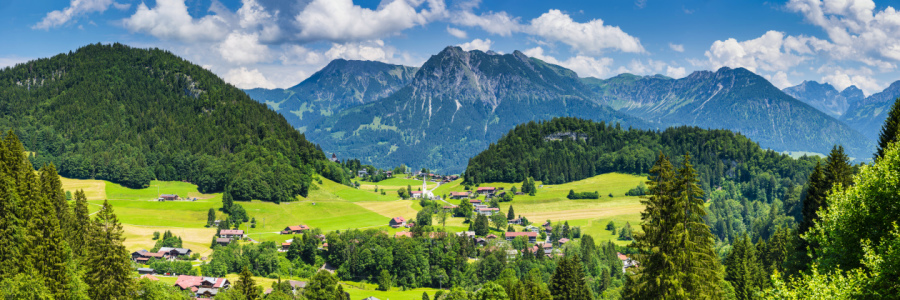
131, 115
568, 281
676, 248
511, 214
323, 286
384, 280
246, 285
640, 190
611, 226
155, 290
625, 233
210, 217
499, 221
108, 266
583, 195
744, 270
889, 130
491, 291
481, 225
527, 186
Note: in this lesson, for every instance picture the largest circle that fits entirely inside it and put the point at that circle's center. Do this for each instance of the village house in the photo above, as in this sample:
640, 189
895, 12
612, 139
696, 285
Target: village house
533, 228
487, 211
231, 233
626, 261
362, 173
389, 174
486, 190
532, 237
416, 194
223, 241
449, 207
517, 221
403, 234
172, 253
168, 197
475, 202
459, 195
563, 241
285, 247
146, 271
397, 222
144, 256
202, 286
468, 234
295, 229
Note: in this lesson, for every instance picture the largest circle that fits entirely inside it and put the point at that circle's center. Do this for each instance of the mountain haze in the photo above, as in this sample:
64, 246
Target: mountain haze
342, 84
733, 99
825, 97
868, 115
457, 103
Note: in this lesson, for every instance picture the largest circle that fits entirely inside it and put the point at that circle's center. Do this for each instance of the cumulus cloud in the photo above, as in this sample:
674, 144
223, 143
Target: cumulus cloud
477, 44
779, 79
584, 66
11, 61
499, 23
770, 52
341, 20
245, 79
457, 32
676, 47
592, 37
372, 50
675, 72
841, 79
76, 8
169, 19
243, 49
299, 55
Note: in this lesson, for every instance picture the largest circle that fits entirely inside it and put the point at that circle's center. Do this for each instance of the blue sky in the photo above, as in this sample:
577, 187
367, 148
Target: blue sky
268, 43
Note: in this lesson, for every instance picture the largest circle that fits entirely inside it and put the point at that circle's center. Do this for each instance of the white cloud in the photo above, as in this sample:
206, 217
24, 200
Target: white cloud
675, 72
371, 50
243, 49
770, 52
246, 79
841, 79
457, 32
676, 47
499, 23
76, 7
650, 67
169, 19
591, 38
341, 20
11, 61
584, 66
477, 44
299, 55
779, 79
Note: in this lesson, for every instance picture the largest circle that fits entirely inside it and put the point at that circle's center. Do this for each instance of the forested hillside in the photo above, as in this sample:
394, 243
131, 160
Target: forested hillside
131, 115
455, 105
733, 99
342, 84
752, 190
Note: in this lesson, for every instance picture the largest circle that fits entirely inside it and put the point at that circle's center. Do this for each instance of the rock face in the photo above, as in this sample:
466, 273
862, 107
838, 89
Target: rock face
733, 99
825, 97
867, 116
457, 103
342, 84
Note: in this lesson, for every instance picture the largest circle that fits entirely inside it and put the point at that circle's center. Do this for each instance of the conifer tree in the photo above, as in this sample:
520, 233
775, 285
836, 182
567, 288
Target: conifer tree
511, 214
246, 285
743, 269
210, 217
700, 264
838, 169
81, 221
889, 130
568, 281
108, 267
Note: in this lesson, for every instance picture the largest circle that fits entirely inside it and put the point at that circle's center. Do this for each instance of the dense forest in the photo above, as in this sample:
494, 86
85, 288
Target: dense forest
132, 115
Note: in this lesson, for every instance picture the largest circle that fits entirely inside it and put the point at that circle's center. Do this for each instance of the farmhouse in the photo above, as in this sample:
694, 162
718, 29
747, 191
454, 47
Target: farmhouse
487, 190
389, 174
397, 222
285, 247
362, 173
459, 195
223, 241
487, 211
295, 229
146, 271
172, 253
517, 221
231, 233
416, 194
449, 207
202, 286
532, 236
475, 202
626, 261
168, 197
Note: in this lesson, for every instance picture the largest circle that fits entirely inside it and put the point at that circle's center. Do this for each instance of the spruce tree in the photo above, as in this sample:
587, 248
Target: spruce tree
743, 269
700, 264
210, 217
838, 169
81, 225
511, 214
108, 267
568, 281
889, 130
246, 285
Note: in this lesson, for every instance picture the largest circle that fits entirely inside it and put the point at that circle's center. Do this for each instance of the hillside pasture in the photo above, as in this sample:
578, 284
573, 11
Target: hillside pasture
196, 239
93, 189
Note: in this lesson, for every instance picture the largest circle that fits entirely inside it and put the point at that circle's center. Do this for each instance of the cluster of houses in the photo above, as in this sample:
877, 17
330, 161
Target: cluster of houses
364, 173
436, 177
167, 253
173, 197
398, 222
202, 287
226, 236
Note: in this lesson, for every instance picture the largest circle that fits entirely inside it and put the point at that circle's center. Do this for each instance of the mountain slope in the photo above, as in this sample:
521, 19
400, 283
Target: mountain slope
342, 84
456, 104
825, 97
868, 115
131, 115
733, 99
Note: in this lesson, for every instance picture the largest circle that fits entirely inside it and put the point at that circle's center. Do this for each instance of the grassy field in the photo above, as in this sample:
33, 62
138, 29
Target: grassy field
393, 184
332, 206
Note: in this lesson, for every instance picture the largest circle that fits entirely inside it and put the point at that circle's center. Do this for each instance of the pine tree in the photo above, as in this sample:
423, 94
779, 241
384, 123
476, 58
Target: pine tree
210, 217
108, 267
425, 296
700, 264
511, 214
889, 130
838, 169
482, 227
246, 285
568, 281
743, 269
227, 201
81, 225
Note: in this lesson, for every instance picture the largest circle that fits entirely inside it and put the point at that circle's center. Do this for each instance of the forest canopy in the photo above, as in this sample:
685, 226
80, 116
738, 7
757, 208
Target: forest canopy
131, 115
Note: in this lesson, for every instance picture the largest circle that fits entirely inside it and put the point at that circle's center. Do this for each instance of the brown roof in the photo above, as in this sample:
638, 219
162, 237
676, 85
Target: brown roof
459, 193
231, 232
298, 228
515, 234
398, 220
486, 188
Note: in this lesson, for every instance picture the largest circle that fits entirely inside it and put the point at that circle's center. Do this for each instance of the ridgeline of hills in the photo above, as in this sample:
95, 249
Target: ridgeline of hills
825, 97
131, 115
733, 99
868, 115
458, 102
340, 85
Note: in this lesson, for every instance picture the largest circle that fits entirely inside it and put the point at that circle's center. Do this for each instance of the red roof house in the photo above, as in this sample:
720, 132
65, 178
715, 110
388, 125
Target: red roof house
397, 222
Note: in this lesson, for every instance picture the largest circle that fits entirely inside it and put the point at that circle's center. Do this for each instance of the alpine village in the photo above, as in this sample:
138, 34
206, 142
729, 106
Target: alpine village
142, 167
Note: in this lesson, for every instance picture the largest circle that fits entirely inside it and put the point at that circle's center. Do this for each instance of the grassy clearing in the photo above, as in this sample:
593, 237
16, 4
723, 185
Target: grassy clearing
93, 189
155, 213
196, 239
183, 189
401, 208
393, 184
327, 215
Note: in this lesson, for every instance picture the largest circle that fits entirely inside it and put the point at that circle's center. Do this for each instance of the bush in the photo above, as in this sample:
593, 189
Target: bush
640, 190
583, 195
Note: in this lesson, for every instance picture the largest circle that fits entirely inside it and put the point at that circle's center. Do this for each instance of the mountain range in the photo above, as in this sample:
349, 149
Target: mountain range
458, 102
